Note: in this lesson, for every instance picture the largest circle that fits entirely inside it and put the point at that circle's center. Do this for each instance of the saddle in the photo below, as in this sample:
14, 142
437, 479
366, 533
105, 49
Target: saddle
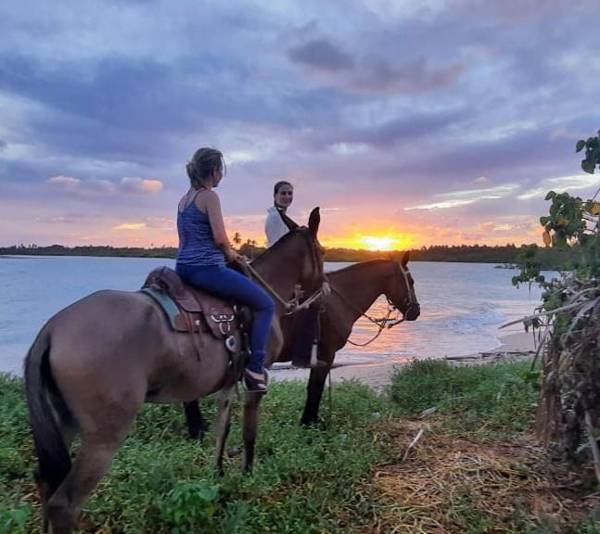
190, 309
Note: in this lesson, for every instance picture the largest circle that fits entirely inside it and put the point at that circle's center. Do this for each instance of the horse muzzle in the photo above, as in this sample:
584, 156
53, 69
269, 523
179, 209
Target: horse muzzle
412, 312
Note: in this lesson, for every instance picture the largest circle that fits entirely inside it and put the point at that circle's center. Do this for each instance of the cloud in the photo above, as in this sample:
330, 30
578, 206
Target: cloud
408, 126
94, 186
102, 187
321, 54
401, 10
160, 223
379, 75
67, 183
157, 224
140, 185
372, 72
561, 184
463, 198
387, 106
130, 226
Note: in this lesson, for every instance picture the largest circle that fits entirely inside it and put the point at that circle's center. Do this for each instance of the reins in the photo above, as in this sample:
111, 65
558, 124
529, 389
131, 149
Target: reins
382, 323
291, 306
294, 305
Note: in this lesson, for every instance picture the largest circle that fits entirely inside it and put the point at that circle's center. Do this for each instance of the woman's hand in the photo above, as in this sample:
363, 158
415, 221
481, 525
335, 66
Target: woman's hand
233, 257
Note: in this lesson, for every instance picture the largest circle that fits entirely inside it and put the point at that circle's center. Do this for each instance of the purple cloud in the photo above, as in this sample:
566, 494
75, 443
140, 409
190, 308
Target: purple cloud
321, 54
379, 75
387, 105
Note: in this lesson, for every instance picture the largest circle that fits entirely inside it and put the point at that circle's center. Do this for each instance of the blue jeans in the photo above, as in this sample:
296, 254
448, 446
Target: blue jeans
226, 283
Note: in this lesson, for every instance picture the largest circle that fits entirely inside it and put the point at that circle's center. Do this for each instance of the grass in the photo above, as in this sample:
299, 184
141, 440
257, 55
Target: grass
497, 400
348, 477
477, 467
305, 480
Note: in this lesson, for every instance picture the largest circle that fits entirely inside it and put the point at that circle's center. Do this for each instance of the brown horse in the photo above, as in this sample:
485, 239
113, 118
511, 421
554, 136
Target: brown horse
353, 291
94, 364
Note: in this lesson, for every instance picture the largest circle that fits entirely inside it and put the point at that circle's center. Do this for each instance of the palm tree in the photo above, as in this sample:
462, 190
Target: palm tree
237, 238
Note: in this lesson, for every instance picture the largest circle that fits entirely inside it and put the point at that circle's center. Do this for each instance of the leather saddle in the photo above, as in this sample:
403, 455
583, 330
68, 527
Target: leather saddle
190, 309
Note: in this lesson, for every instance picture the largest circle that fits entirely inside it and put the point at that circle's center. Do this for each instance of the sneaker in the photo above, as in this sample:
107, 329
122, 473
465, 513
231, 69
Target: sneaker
255, 382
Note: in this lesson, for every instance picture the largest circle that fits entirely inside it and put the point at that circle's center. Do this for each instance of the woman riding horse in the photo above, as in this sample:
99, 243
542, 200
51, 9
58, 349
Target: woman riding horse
203, 249
305, 323
94, 364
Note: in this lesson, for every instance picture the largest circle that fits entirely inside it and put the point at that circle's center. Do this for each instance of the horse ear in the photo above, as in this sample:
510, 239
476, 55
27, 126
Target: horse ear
405, 259
314, 220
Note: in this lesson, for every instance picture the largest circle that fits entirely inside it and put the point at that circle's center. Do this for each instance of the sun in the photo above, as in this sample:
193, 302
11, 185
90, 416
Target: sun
372, 242
378, 241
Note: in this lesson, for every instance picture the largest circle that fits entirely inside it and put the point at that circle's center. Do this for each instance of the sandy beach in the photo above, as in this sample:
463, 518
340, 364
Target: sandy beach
378, 375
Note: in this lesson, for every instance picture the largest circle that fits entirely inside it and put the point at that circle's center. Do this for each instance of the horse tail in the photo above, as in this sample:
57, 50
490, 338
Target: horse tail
46, 405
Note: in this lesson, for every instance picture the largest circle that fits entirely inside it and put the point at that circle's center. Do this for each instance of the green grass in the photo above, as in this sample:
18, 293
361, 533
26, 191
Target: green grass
498, 400
305, 480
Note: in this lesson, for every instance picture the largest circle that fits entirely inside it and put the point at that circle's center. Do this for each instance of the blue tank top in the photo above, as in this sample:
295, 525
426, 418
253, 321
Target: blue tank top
196, 241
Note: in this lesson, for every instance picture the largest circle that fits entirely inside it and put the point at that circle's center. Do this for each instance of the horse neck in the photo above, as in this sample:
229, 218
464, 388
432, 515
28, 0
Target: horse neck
280, 268
361, 284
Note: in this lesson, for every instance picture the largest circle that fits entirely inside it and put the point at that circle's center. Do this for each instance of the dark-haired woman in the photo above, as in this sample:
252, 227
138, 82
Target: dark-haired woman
278, 223
304, 324
204, 250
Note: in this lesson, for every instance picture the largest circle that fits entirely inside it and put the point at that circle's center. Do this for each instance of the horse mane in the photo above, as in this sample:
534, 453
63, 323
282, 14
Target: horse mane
278, 244
355, 266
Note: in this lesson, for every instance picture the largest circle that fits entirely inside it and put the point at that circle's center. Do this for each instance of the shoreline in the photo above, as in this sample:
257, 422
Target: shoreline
515, 346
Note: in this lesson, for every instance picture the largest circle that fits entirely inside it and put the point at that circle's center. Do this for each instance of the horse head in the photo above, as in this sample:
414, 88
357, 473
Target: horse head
312, 273
401, 290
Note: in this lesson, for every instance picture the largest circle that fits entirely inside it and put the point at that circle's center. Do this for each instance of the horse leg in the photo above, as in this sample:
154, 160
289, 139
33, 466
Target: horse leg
98, 446
196, 424
91, 464
251, 406
224, 401
68, 428
314, 392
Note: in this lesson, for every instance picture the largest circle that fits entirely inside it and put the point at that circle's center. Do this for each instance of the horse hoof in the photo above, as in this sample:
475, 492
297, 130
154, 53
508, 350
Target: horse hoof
60, 521
234, 451
314, 423
196, 436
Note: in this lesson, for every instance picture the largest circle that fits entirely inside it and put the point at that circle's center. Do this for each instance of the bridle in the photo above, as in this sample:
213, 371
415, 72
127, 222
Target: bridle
387, 322
410, 300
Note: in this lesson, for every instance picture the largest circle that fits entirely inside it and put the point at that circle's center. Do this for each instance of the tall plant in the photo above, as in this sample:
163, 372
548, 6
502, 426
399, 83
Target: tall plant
569, 409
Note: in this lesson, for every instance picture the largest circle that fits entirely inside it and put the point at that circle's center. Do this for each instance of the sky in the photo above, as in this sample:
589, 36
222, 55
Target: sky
410, 123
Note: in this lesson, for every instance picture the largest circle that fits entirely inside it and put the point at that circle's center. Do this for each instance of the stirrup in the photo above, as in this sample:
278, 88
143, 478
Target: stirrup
255, 382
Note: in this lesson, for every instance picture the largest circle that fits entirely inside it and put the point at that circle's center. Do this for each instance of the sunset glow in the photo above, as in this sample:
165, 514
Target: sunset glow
403, 141
383, 240
380, 242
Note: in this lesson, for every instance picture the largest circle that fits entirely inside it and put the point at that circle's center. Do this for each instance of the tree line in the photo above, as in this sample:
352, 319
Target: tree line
510, 254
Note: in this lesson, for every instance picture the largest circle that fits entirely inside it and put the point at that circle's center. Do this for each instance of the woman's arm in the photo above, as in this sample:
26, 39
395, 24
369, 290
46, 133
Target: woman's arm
212, 205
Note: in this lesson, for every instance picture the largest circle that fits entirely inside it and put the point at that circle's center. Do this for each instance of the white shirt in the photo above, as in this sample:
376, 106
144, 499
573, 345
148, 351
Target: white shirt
275, 228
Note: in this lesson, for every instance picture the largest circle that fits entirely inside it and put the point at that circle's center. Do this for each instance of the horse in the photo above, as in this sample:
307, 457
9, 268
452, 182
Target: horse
353, 291
94, 363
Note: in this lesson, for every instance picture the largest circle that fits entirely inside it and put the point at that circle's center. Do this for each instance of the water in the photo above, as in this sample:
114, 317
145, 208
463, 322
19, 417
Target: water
462, 305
